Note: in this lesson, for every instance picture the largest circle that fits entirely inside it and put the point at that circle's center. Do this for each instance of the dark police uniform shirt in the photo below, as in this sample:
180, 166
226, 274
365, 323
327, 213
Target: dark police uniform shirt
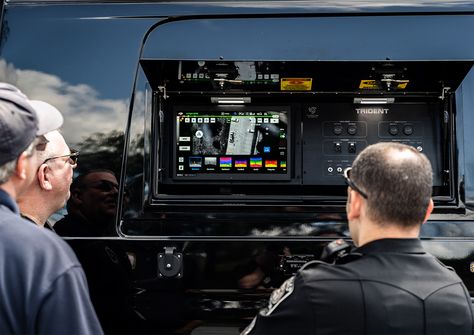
43, 289
393, 287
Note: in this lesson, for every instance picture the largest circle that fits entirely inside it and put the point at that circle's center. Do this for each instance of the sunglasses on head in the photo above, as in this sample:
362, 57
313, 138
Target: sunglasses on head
72, 157
351, 184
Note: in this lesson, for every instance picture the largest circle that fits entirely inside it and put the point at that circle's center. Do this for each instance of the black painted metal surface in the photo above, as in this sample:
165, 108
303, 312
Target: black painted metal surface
84, 58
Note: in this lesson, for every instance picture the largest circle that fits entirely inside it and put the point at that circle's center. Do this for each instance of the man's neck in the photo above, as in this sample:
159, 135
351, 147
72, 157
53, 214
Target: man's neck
374, 231
8, 187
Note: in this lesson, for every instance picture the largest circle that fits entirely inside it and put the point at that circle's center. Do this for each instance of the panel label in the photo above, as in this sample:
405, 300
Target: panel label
296, 84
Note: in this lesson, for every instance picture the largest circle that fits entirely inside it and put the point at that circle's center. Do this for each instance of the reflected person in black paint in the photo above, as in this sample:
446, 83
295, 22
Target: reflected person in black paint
91, 213
92, 206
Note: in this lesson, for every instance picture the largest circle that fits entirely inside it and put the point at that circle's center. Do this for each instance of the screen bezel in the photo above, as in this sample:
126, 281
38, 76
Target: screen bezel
232, 177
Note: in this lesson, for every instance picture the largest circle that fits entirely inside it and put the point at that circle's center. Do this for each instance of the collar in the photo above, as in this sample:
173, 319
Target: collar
47, 224
401, 245
29, 218
7, 200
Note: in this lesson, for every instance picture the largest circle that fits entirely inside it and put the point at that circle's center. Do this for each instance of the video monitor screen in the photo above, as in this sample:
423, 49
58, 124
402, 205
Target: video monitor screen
232, 143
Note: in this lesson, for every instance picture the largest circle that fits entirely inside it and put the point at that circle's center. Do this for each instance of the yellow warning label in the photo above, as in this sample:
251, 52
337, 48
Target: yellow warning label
369, 84
296, 84
402, 85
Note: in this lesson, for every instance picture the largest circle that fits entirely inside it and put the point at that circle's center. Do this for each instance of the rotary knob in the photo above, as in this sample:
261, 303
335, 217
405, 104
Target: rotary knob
352, 129
408, 130
337, 130
393, 129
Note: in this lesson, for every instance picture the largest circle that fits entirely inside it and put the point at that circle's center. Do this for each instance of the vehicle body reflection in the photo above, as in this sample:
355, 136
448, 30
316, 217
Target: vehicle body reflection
117, 71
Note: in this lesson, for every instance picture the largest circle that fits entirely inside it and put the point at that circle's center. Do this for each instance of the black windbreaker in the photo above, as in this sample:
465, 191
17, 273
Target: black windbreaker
390, 286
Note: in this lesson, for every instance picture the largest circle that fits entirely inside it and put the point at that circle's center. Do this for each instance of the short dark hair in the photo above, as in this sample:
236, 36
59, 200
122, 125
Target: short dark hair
79, 182
398, 181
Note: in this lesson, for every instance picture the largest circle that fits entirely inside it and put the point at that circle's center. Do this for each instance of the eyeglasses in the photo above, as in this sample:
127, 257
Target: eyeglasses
72, 157
351, 184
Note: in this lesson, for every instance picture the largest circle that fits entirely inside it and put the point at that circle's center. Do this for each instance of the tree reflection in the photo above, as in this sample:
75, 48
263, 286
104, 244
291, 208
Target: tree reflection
105, 151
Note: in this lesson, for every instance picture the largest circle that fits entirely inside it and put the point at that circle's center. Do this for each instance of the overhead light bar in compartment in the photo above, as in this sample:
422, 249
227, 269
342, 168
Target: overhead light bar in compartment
231, 100
373, 101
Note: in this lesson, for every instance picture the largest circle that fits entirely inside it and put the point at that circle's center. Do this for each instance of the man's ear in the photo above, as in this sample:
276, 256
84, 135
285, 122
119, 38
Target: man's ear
76, 197
21, 166
44, 177
354, 206
429, 210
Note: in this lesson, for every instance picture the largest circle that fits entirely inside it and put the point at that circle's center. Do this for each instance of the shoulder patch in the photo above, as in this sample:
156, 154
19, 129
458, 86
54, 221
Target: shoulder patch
279, 295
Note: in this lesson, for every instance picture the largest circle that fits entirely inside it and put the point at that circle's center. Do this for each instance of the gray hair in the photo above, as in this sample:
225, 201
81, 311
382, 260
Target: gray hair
398, 181
7, 169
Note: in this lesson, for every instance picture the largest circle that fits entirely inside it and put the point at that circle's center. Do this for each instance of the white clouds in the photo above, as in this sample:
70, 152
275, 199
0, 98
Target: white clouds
84, 111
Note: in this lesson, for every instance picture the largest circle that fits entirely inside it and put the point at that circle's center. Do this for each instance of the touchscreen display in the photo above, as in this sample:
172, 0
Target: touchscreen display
231, 143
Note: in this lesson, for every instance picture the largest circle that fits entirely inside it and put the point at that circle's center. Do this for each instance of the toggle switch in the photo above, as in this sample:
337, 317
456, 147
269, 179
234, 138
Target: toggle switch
352, 148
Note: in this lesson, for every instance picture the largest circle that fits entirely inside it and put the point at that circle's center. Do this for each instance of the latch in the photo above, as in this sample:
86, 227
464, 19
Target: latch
170, 263
162, 90
444, 90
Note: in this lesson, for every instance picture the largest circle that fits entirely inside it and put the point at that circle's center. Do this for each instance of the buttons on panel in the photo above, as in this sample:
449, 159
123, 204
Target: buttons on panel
393, 129
345, 128
408, 129
400, 129
343, 140
352, 129
418, 145
351, 147
337, 130
343, 147
336, 167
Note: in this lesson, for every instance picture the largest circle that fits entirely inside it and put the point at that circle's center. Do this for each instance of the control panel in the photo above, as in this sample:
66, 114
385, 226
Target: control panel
286, 131
334, 133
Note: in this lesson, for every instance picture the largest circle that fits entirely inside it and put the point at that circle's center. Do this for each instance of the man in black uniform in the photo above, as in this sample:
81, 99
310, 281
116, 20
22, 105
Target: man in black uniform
389, 284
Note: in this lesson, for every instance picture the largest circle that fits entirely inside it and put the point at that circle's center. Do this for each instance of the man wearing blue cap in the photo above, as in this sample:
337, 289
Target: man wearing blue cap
43, 289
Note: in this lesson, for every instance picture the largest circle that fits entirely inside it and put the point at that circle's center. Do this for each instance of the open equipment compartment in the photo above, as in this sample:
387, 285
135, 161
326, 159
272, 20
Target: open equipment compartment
272, 131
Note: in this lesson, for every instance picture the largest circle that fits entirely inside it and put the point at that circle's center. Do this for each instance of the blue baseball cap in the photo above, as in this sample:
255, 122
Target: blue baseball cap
21, 120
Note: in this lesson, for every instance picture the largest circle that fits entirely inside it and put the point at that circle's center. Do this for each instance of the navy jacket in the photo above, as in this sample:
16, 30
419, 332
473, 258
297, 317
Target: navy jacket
43, 289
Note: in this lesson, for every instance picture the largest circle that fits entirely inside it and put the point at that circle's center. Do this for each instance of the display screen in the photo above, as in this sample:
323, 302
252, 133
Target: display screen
232, 143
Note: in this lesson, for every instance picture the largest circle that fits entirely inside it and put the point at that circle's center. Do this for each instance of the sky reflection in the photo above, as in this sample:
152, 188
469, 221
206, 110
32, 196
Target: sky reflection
85, 112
